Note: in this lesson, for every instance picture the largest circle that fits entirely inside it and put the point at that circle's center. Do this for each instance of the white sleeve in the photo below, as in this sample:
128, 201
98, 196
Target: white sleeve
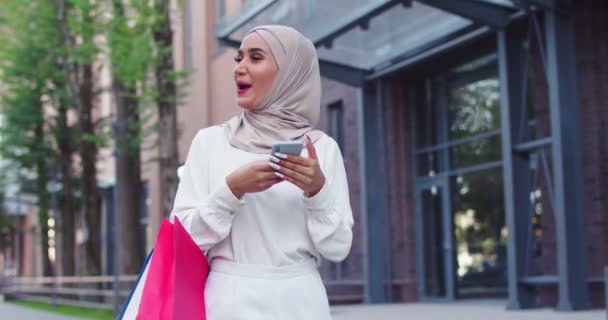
206, 214
329, 215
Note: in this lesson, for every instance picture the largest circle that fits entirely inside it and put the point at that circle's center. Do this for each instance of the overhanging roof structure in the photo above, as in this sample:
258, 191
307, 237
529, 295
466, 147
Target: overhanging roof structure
359, 37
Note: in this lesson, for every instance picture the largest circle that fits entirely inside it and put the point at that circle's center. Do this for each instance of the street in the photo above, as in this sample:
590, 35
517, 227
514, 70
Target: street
477, 310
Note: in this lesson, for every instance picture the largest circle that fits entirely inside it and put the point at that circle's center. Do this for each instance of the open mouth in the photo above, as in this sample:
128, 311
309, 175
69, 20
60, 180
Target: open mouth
243, 87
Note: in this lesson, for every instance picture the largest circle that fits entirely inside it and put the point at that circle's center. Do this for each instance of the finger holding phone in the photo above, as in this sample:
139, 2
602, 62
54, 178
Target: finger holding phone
303, 172
253, 177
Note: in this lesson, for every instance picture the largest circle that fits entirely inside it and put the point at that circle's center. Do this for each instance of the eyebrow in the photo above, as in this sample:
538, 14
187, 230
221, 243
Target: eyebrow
252, 50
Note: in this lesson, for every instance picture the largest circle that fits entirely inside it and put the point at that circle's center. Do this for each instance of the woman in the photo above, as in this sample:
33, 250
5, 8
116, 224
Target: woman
266, 222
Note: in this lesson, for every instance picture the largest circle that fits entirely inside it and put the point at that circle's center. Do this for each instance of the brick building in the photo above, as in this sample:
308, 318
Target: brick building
472, 136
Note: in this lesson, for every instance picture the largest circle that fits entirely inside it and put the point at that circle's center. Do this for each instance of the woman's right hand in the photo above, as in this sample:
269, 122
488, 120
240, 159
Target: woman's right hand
253, 177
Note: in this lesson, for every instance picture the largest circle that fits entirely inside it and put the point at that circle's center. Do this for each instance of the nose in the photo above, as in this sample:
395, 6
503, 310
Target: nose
240, 68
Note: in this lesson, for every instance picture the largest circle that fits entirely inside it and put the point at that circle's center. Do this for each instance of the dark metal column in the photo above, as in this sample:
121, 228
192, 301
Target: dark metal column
566, 153
441, 94
606, 289
374, 190
513, 79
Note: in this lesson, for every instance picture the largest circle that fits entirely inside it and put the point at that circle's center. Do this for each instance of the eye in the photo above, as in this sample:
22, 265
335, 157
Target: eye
257, 57
238, 59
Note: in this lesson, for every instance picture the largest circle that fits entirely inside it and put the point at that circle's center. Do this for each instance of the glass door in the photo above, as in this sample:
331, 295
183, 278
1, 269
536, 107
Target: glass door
435, 241
459, 195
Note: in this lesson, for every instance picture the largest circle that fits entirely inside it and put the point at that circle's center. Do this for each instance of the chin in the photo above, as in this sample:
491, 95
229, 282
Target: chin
247, 105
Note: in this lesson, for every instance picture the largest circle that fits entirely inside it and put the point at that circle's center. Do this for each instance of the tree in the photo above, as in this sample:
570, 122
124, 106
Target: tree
27, 73
129, 65
144, 76
49, 53
61, 33
78, 24
167, 104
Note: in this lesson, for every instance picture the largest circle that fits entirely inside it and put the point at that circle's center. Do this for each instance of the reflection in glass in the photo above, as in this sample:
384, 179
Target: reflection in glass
458, 131
474, 111
434, 283
476, 152
426, 164
479, 230
474, 108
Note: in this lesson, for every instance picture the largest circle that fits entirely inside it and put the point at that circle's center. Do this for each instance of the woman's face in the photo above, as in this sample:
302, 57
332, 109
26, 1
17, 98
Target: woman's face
254, 72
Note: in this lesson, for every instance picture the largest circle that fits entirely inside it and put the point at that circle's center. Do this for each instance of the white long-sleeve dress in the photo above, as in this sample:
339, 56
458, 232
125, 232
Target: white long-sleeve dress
273, 232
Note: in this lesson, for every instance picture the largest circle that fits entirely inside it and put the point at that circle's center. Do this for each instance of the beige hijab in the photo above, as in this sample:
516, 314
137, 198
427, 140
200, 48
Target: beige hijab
291, 108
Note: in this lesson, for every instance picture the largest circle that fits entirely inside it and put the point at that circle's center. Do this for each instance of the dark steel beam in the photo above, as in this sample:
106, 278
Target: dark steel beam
606, 289
231, 43
516, 181
345, 74
541, 4
532, 145
455, 142
374, 193
461, 171
566, 155
484, 13
554, 280
539, 280
441, 92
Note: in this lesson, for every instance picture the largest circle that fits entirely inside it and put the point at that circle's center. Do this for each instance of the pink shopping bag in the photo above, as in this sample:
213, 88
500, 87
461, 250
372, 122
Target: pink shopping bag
172, 284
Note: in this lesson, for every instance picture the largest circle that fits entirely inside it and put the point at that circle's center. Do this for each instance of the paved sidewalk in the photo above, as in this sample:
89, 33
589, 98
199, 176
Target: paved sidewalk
455, 311
9, 311
414, 311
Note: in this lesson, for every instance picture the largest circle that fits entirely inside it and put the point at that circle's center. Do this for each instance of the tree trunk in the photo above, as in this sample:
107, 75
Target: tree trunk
66, 219
167, 108
88, 155
128, 179
42, 180
81, 90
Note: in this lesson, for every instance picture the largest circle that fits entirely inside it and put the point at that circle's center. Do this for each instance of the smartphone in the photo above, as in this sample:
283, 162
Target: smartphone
288, 147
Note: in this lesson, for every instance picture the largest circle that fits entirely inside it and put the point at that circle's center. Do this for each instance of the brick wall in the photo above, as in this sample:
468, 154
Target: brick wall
591, 23
333, 91
399, 144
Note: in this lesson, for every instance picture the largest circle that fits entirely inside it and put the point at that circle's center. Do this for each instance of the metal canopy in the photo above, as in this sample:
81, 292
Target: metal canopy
364, 35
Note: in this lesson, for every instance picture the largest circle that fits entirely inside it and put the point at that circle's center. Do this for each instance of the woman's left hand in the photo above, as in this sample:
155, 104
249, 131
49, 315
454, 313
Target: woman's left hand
305, 173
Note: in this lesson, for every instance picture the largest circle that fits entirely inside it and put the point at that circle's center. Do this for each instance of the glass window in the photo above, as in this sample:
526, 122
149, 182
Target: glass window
458, 127
426, 119
474, 108
433, 253
458, 124
479, 230
476, 152
474, 114
426, 163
